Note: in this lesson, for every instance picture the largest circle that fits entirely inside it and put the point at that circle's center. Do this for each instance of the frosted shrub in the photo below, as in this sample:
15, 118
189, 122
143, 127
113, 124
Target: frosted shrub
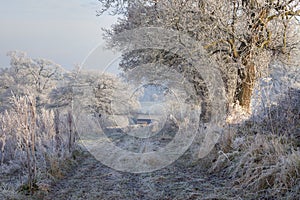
35, 139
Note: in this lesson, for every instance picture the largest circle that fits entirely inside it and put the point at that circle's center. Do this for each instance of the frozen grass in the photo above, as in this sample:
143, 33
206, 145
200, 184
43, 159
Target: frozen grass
261, 155
251, 161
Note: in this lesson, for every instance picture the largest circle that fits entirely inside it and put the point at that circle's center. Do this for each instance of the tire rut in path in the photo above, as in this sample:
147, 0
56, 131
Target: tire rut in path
93, 180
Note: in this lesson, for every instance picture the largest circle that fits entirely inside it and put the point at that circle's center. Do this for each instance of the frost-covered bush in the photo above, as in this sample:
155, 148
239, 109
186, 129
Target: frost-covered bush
276, 83
276, 104
32, 140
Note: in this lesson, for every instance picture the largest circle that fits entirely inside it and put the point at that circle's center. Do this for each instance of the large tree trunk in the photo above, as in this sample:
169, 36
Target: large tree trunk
245, 89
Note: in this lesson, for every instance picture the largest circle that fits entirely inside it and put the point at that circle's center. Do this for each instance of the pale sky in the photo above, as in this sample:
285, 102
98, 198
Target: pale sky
64, 31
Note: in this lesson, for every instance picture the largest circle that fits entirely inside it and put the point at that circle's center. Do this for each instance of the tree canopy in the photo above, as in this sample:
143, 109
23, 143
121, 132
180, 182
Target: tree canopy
244, 37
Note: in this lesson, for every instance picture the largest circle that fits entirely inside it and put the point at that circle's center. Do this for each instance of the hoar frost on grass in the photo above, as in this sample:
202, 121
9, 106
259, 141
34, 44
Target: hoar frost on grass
34, 144
261, 152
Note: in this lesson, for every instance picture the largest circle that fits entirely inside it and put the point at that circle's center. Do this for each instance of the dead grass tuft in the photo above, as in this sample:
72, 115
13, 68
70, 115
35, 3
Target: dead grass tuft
261, 154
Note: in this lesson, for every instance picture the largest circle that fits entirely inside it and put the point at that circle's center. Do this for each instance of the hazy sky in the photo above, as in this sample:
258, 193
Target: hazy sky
64, 31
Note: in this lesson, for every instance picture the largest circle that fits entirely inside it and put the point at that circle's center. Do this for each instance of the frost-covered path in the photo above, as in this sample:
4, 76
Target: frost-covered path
92, 180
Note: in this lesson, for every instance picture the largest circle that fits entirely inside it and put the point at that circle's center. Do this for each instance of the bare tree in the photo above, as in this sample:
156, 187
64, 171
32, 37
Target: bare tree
38, 76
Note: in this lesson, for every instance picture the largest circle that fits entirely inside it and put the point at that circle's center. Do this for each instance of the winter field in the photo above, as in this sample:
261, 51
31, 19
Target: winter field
200, 100
42, 154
